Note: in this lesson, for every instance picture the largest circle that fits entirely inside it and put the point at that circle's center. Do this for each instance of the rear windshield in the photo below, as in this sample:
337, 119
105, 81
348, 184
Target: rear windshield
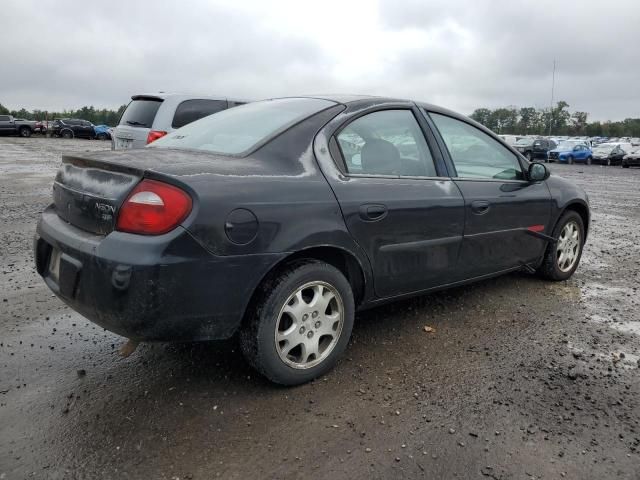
140, 113
239, 129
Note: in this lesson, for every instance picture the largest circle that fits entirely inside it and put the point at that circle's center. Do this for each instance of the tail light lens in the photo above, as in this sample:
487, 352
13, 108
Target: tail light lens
155, 135
153, 208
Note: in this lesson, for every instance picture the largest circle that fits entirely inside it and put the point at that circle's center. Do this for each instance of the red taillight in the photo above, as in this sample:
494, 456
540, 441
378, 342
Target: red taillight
153, 208
154, 135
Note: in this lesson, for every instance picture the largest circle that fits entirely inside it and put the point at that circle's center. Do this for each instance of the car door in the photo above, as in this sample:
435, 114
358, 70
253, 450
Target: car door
502, 208
5, 124
402, 209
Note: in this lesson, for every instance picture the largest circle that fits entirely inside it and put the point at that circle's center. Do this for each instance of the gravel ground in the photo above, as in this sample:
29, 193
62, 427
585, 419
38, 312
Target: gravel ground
520, 379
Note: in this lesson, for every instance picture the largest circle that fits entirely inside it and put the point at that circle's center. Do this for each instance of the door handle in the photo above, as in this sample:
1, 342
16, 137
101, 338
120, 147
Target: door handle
480, 207
372, 212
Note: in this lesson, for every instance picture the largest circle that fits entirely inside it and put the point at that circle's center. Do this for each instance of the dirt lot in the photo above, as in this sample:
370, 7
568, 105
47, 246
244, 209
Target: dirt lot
521, 379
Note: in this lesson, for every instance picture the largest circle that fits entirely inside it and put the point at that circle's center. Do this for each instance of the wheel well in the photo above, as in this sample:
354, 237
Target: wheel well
340, 259
581, 210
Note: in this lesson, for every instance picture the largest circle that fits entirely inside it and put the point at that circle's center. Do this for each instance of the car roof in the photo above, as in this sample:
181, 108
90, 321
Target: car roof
183, 96
372, 99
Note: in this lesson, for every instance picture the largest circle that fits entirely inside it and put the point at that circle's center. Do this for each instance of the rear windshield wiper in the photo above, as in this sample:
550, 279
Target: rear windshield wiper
133, 122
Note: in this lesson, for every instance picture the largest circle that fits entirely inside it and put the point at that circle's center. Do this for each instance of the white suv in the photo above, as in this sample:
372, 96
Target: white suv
151, 116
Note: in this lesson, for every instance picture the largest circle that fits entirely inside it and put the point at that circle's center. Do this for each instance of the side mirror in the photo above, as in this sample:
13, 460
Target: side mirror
538, 172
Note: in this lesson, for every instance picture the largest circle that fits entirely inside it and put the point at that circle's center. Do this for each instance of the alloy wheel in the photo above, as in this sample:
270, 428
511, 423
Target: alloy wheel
309, 325
568, 247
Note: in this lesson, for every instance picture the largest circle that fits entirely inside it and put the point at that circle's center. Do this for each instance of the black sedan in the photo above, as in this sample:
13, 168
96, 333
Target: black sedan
277, 220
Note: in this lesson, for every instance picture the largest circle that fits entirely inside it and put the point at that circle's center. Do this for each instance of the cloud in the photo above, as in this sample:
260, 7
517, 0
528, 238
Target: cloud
462, 54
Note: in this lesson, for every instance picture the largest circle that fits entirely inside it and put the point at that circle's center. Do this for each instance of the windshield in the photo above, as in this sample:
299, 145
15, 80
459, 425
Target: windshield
605, 146
567, 145
239, 129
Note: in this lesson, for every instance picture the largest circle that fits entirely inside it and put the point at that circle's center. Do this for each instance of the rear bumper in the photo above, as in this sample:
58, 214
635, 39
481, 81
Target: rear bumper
631, 161
166, 287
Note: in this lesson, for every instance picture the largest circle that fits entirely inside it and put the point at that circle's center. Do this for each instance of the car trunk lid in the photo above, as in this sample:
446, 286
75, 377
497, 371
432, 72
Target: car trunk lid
87, 194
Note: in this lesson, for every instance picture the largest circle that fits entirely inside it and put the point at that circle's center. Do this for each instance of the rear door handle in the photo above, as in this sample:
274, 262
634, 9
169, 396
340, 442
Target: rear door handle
371, 212
480, 207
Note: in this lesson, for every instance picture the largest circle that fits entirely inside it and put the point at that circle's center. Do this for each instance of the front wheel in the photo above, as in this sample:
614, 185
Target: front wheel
570, 160
102, 136
624, 165
589, 160
562, 257
300, 323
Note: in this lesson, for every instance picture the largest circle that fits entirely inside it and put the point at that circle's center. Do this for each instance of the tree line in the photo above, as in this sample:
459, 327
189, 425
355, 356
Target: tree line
103, 116
558, 120
506, 120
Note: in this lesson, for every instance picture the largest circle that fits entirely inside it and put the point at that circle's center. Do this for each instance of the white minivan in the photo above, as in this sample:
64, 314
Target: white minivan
151, 116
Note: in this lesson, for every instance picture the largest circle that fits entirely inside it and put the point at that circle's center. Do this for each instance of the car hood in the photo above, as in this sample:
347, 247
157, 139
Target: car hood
602, 152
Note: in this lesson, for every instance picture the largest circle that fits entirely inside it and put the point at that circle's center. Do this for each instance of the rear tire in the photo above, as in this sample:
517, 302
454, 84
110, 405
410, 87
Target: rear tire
101, 136
284, 337
554, 265
25, 132
67, 134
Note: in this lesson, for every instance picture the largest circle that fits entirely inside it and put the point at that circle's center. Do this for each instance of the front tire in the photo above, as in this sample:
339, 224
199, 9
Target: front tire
299, 324
589, 160
570, 160
102, 136
561, 259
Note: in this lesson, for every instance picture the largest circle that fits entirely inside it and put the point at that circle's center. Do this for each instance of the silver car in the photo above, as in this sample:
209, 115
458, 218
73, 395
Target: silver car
151, 116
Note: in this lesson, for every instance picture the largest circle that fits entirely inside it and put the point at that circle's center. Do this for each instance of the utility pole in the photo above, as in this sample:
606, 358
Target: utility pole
553, 84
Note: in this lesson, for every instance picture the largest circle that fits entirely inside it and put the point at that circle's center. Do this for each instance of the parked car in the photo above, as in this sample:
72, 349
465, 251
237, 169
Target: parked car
102, 132
40, 127
72, 128
15, 126
610, 153
279, 219
510, 139
631, 159
570, 152
534, 148
149, 117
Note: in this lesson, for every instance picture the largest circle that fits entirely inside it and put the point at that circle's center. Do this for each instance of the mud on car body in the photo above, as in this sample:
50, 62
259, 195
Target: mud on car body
277, 220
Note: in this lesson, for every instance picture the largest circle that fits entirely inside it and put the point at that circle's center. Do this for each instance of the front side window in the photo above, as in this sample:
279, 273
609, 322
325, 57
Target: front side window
388, 142
476, 154
192, 110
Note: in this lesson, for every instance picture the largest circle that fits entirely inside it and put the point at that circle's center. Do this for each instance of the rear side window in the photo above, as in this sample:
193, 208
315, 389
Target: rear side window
4, 118
141, 113
388, 142
238, 130
192, 110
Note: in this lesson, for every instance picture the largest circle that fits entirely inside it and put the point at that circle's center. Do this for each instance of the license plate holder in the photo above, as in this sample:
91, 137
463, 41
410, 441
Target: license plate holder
124, 143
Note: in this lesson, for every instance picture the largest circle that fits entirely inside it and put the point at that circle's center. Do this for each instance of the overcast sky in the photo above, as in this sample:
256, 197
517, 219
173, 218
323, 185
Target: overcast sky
462, 54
